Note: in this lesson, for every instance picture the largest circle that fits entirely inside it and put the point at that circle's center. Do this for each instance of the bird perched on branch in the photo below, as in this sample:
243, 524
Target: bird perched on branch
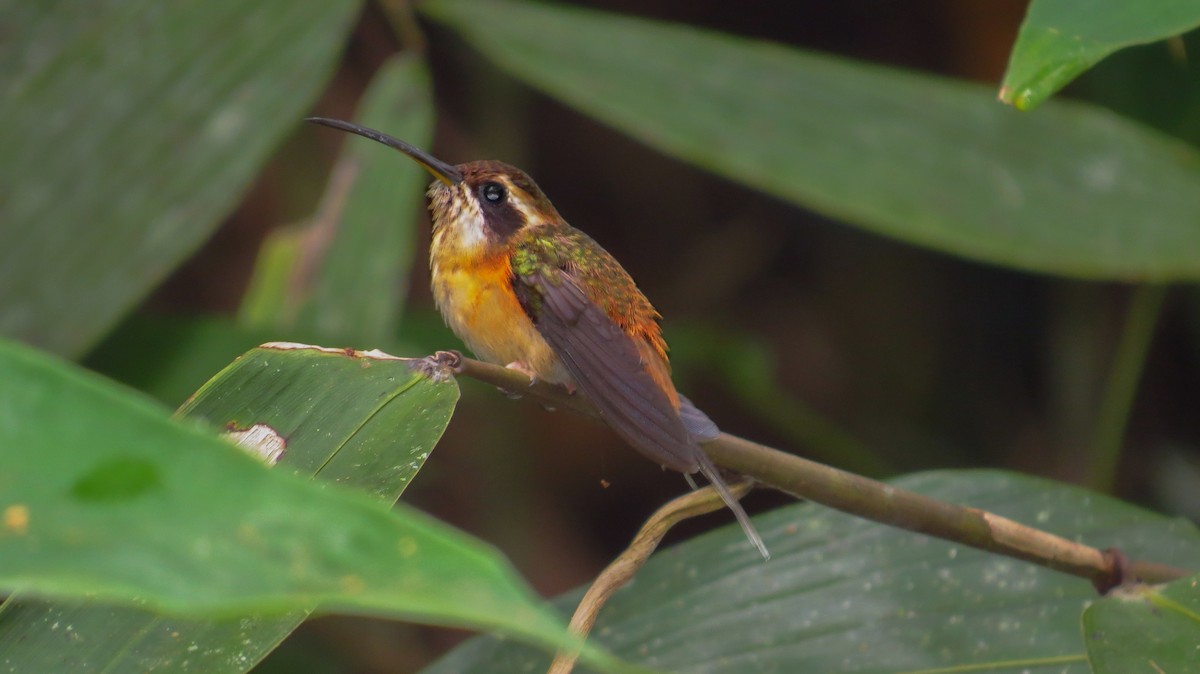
524, 289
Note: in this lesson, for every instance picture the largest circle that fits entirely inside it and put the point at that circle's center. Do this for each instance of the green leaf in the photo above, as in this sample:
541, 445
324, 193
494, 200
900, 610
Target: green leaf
376, 448
129, 130
1074, 190
1145, 629
841, 594
1062, 38
359, 418
268, 301
105, 497
347, 273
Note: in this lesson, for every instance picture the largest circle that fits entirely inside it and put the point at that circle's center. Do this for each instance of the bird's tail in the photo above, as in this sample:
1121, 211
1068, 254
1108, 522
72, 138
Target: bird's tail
714, 478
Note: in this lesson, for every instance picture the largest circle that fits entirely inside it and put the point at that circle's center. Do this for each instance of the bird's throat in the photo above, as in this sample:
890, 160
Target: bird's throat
459, 229
475, 297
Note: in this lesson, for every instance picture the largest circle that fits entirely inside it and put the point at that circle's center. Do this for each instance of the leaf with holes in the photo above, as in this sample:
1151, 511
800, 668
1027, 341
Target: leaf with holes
209, 556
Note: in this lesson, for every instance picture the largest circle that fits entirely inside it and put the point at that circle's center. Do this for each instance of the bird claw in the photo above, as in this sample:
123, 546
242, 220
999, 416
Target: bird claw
441, 366
451, 360
524, 369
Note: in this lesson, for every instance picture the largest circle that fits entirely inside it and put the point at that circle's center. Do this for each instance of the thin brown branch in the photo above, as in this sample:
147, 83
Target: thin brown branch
623, 568
890, 505
868, 498
318, 236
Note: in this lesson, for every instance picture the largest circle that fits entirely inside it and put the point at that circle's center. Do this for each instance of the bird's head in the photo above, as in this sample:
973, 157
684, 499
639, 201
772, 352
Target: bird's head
476, 207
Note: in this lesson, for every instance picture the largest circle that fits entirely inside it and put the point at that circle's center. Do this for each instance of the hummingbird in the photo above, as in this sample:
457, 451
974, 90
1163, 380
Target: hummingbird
524, 289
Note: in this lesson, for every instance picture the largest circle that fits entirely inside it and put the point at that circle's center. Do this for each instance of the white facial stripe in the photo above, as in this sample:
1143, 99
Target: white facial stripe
529, 215
471, 232
460, 222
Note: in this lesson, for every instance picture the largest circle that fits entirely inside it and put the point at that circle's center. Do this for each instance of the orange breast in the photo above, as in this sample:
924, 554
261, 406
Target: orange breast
477, 302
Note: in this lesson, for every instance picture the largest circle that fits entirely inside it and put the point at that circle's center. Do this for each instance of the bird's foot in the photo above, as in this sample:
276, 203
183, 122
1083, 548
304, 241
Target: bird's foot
524, 369
452, 360
441, 366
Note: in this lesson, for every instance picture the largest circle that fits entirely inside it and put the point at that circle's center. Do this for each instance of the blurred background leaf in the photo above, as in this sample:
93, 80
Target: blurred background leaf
786, 326
340, 277
129, 131
348, 277
931, 162
844, 595
1062, 38
746, 372
169, 357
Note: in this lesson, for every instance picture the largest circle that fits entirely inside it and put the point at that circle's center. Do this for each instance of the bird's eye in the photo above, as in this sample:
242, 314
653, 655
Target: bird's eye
492, 193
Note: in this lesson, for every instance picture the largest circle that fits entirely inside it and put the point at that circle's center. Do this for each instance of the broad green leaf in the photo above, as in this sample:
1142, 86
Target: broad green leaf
360, 287
106, 497
1062, 38
130, 128
360, 418
1145, 629
1074, 190
346, 273
842, 594
374, 447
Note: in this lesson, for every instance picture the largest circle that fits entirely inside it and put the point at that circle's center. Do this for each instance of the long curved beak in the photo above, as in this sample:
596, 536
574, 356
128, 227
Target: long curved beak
440, 169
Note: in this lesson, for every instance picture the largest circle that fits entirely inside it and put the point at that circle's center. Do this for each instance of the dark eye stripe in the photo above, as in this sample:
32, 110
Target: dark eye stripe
499, 215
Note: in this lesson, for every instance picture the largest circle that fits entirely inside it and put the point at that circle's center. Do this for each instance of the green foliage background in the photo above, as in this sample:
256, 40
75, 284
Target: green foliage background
861, 255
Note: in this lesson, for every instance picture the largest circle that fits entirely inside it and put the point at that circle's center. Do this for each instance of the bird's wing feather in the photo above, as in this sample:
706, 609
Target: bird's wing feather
699, 426
609, 367
612, 369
